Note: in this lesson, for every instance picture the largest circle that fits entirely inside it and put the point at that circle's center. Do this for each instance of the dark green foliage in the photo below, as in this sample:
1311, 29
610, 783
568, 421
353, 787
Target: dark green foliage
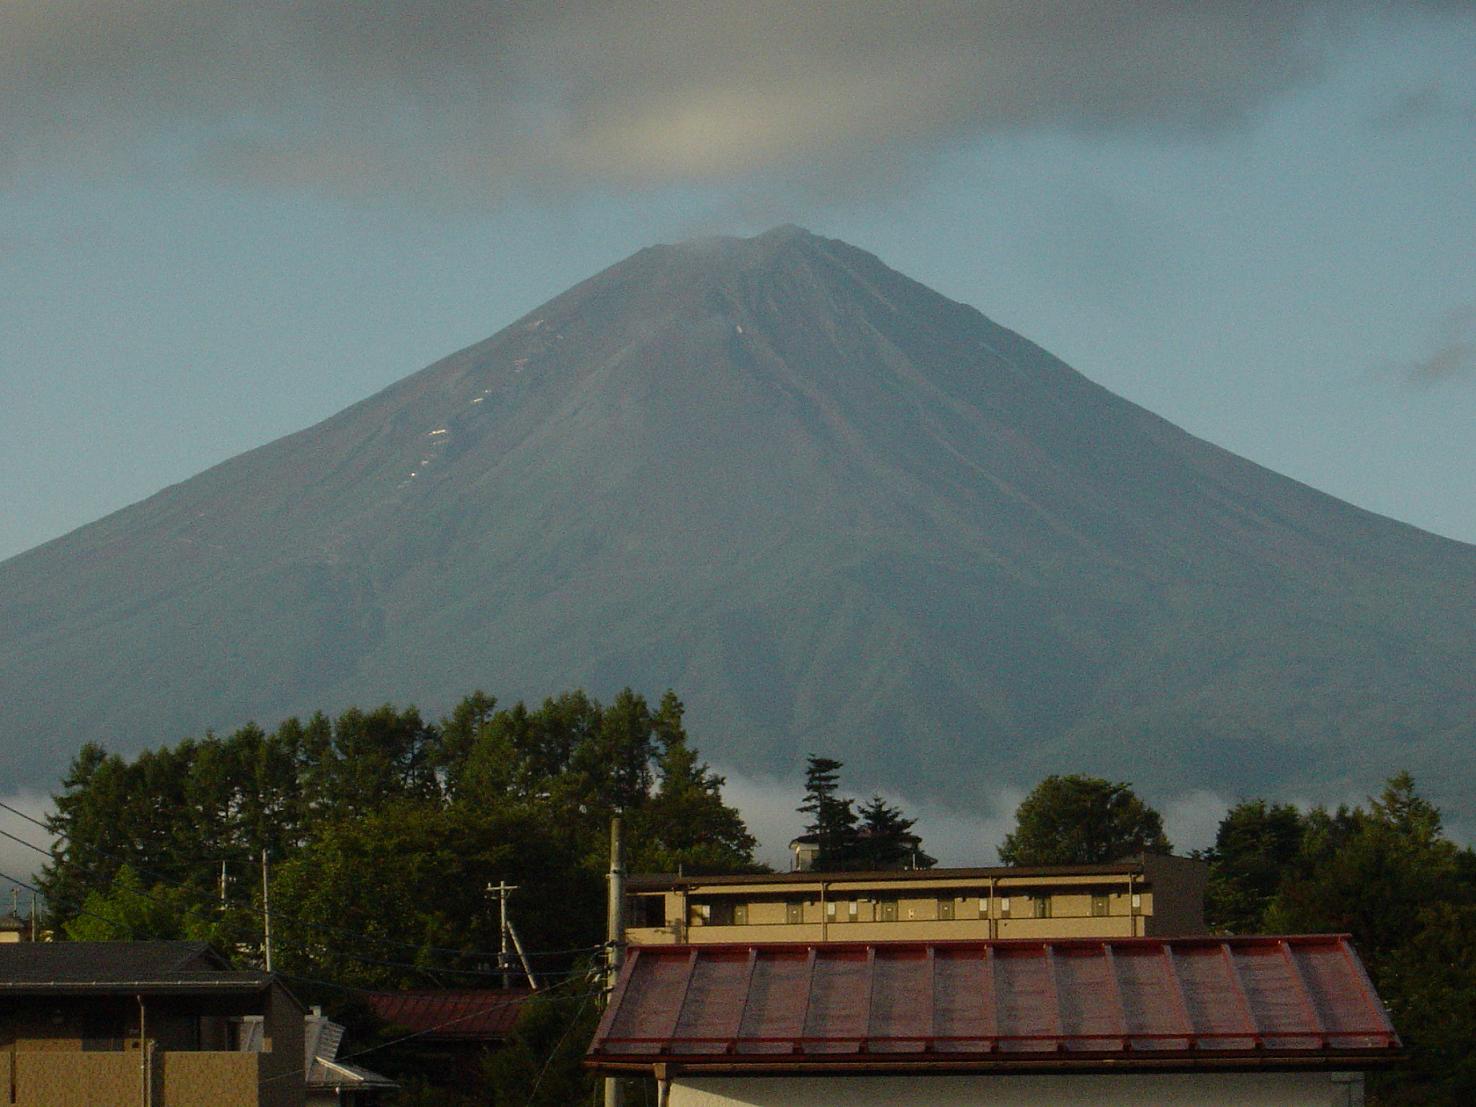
879, 836
541, 1065
382, 831
1387, 875
1082, 820
832, 818
884, 839
1253, 848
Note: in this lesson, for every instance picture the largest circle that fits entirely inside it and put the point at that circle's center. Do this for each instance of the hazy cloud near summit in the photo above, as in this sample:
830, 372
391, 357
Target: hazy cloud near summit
1454, 354
473, 101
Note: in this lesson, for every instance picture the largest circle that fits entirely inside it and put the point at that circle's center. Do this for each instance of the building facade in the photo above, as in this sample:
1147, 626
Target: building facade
1144, 896
159, 1024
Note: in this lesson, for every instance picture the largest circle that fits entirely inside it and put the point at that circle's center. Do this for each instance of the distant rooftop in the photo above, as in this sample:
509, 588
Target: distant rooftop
72, 967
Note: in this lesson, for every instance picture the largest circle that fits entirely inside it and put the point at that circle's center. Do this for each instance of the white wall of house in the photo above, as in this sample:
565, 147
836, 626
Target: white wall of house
1252, 1089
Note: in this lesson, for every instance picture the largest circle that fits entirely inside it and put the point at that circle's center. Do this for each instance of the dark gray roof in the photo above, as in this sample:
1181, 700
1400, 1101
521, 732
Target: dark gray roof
120, 966
647, 882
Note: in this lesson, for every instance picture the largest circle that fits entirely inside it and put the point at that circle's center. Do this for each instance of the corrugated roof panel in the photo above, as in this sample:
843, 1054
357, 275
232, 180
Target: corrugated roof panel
1216, 1003
1028, 1015
891, 1004
1153, 1004
1341, 992
905, 982
715, 1001
778, 1000
1087, 994
837, 1013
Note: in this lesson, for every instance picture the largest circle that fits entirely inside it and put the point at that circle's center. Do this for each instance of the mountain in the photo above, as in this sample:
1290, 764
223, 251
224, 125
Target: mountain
832, 508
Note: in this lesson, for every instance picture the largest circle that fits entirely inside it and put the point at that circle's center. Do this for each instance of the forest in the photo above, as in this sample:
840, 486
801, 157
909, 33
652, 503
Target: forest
379, 832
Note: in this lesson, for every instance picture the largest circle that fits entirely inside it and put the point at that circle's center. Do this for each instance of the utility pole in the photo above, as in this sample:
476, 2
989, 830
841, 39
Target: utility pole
502, 888
266, 909
222, 884
505, 931
615, 933
33, 916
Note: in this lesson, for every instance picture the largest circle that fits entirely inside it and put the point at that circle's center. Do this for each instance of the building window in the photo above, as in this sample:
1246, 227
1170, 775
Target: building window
648, 911
1004, 907
740, 914
945, 908
794, 911
1100, 905
1041, 906
887, 910
852, 911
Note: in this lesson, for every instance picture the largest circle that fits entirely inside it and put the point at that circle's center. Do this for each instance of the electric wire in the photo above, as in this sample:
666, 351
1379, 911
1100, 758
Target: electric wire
305, 947
325, 928
584, 997
488, 1009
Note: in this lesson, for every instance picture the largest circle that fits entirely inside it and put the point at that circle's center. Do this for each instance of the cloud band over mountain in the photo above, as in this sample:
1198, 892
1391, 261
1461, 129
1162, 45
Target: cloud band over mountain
475, 102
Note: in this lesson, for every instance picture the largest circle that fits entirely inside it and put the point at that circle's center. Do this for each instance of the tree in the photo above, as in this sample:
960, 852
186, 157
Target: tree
685, 825
885, 840
1256, 845
879, 836
832, 818
1082, 820
1388, 876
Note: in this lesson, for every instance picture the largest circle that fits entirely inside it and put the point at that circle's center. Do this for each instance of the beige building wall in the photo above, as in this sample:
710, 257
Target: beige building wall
49, 1078
44, 1064
1164, 899
211, 1080
1309, 1089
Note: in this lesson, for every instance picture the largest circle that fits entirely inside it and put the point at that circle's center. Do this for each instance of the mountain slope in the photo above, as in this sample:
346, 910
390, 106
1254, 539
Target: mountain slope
834, 509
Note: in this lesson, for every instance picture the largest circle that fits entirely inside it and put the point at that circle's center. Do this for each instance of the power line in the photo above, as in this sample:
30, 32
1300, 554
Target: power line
337, 931
583, 997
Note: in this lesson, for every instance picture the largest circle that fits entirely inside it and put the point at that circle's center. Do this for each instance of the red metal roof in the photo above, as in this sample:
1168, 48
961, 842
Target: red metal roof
1145, 1001
468, 1015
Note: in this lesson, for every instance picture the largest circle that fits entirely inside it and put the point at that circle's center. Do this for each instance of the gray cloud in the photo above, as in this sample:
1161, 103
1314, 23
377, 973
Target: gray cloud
1454, 353
476, 101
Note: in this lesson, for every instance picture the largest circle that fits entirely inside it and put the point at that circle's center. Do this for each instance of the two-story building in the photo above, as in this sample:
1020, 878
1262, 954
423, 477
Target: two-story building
1139, 897
159, 1024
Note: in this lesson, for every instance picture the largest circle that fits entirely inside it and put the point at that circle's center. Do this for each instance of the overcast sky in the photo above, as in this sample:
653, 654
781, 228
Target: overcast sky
221, 222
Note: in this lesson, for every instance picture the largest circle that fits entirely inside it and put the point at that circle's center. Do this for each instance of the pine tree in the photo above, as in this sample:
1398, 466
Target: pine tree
832, 817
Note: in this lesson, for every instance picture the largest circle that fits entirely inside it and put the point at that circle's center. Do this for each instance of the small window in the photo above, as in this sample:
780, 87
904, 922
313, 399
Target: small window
740, 914
1041, 906
1100, 905
852, 911
887, 910
945, 908
794, 912
1004, 907
648, 911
